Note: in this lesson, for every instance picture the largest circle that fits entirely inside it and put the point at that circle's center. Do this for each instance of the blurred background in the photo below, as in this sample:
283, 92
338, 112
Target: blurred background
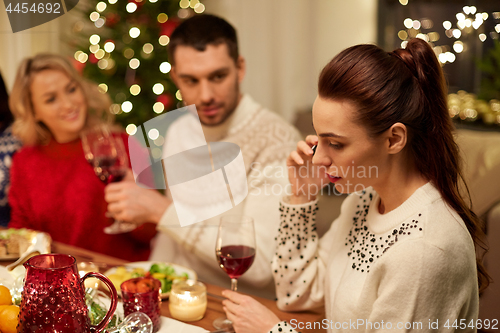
121, 45
285, 43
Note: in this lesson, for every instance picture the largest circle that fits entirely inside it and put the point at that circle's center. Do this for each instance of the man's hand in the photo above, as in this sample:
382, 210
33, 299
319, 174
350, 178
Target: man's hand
130, 203
248, 315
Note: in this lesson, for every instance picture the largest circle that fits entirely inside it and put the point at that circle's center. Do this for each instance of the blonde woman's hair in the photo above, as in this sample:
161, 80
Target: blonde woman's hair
26, 127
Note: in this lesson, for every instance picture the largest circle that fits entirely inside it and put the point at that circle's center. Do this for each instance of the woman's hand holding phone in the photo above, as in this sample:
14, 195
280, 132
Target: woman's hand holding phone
306, 179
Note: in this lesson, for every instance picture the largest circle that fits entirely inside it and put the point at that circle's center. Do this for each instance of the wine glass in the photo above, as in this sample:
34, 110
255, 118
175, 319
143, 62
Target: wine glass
136, 322
98, 304
89, 136
235, 251
109, 159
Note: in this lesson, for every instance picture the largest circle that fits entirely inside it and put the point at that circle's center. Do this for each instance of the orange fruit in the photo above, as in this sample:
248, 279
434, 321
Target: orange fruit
5, 296
9, 319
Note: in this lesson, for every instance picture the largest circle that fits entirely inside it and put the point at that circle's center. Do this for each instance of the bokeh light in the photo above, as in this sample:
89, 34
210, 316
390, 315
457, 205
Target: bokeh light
109, 47
153, 134
163, 40
135, 89
94, 16
458, 46
127, 106
162, 18
101, 6
147, 48
103, 87
134, 32
158, 88
408, 23
165, 67
131, 129
94, 39
131, 7
158, 107
134, 63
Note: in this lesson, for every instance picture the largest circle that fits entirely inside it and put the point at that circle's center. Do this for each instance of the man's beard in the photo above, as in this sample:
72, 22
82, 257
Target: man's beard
230, 108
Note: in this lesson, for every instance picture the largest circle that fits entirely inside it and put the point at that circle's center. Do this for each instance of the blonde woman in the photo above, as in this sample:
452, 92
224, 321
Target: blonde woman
53, 188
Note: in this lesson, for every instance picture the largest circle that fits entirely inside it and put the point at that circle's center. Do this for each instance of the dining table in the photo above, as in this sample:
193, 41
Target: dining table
214, 296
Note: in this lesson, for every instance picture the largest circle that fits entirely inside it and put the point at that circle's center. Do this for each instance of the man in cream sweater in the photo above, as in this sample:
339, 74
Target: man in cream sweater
208, 70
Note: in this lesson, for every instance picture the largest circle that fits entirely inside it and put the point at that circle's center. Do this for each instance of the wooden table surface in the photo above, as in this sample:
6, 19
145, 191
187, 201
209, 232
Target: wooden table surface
214, 307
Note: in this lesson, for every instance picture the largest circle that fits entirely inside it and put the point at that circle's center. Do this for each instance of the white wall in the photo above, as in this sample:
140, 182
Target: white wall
15, 47
285, 43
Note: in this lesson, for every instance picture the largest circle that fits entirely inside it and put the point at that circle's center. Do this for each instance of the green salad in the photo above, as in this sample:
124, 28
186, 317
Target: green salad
160, 271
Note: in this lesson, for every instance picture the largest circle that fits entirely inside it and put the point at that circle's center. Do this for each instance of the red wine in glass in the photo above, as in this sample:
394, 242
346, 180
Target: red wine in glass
235, 259
107, 170
110, 165
90, 136
235, 251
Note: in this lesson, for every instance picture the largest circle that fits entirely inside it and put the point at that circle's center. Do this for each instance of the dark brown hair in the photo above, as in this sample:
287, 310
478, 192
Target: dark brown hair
202, 30
407, 86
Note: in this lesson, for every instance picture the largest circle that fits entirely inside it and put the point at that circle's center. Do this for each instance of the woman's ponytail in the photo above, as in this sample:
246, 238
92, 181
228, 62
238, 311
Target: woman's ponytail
407, 86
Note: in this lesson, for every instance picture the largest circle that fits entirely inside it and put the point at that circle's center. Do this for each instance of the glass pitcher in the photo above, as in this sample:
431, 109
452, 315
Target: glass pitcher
53, 298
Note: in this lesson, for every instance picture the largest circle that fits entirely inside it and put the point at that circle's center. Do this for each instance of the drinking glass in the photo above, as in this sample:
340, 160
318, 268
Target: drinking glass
136, 322
108, 157
110, 165
143, 295
235, 251
91, 135
98, 304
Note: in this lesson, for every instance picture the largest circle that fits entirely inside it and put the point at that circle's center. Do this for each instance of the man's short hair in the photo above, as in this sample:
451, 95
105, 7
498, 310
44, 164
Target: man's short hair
202, 30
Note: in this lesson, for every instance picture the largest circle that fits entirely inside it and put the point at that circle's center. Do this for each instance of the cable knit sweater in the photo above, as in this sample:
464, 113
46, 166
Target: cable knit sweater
265, 140
415, 264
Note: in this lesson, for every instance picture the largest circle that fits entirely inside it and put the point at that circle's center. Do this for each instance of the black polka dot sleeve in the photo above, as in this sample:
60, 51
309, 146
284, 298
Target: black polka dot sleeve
283, 327
296, 267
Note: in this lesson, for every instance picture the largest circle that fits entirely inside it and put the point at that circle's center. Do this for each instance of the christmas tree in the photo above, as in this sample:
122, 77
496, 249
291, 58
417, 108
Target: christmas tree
123, 48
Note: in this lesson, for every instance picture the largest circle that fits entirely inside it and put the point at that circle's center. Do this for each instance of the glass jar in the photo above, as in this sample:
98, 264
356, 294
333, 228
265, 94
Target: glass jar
188, 300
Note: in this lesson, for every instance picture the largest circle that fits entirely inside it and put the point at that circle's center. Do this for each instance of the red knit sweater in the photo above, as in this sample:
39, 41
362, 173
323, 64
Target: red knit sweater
54, 189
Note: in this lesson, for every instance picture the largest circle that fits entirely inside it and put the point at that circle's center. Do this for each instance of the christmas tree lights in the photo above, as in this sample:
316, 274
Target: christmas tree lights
122, 46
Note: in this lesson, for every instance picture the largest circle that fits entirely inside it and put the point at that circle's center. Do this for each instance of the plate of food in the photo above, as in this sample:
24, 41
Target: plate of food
166, 272
14, 242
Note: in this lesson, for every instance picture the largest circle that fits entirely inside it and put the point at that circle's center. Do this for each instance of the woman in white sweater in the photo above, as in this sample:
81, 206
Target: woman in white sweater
401, 255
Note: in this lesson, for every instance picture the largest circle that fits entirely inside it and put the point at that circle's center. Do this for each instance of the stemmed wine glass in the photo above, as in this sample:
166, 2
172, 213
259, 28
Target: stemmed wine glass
235, 251
89, 136
108, 157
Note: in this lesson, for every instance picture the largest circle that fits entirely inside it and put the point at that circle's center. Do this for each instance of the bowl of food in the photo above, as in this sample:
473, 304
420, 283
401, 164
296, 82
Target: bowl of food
165, 272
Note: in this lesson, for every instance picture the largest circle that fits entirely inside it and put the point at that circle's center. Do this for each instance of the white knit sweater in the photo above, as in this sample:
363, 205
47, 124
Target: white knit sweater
412, 266
265, 140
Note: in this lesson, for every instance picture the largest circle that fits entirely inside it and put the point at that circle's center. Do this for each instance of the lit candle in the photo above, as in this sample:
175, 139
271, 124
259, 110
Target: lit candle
188, 300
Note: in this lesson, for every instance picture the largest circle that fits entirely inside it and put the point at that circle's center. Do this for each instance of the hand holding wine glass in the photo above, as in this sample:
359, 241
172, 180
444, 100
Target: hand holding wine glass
110, 165
91, 135
235, 251
108, 157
